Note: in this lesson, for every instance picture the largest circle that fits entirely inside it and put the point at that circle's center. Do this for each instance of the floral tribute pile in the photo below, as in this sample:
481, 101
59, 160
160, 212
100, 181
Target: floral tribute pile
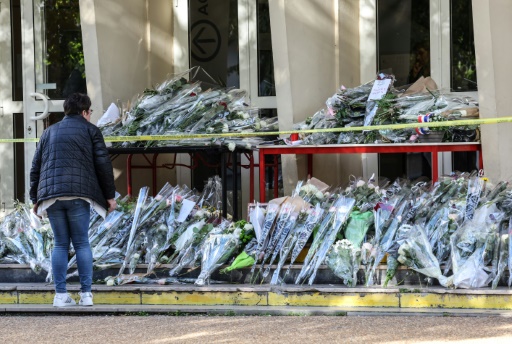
420, 103
180, 105
455, 231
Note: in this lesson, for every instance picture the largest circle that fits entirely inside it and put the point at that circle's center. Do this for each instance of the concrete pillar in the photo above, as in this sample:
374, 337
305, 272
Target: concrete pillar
492, 27
304, 48
127, 48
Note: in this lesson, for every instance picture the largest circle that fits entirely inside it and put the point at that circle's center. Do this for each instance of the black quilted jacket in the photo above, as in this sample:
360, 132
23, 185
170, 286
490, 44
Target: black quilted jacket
71, 159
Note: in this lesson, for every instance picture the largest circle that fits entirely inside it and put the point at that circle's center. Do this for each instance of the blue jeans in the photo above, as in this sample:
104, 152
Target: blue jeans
70, 221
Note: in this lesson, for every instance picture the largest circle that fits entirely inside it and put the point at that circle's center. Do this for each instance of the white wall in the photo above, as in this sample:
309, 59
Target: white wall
316, 49
127, 48
492, 27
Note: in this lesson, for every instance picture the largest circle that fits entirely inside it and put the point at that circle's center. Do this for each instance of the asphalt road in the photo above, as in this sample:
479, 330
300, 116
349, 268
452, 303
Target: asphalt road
254, 329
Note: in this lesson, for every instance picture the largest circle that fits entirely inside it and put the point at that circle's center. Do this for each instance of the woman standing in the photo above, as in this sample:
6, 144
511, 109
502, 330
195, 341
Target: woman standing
71, 171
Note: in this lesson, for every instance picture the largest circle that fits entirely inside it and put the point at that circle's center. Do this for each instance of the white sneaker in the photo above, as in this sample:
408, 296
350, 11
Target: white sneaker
85, 299
63, 300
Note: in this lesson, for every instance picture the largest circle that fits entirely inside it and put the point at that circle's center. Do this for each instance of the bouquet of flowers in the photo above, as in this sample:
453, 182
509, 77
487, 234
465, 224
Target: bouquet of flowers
283, 246
218, 249
416, 253
285, 221
343, 259
504, 254
325, 237
246, 258
272, 212
297, 241
472, 248
182, 106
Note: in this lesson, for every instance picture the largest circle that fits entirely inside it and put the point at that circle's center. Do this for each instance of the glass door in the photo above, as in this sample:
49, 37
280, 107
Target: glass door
8, 107
419, 38
41, 62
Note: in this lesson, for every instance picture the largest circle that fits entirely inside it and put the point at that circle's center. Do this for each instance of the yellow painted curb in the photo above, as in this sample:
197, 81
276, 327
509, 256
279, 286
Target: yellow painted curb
481, 301
271, 298
116, 297
36, 297
7, 297
204, 298
334, 299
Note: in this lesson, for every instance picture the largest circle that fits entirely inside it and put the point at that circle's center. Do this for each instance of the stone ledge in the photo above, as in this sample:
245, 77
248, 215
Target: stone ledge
408, 297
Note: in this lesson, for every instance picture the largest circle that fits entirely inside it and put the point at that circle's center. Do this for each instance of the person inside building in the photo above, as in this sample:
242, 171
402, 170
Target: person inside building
421, 62
71, 172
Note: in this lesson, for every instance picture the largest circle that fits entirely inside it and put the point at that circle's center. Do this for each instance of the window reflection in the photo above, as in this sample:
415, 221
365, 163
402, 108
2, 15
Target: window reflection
266, 83
403, 39
463, 61
403, 49
63, 57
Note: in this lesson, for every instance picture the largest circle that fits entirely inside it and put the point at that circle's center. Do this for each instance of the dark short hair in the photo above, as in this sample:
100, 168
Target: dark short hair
76, 103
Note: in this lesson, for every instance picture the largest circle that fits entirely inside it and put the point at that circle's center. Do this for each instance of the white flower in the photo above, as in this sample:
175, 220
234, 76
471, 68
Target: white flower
263, 124
209, 130
402, 249
371, 186
248, 227
225, 128
319, 195
231, 146
367, 246
360, 183
110, 281
401, 259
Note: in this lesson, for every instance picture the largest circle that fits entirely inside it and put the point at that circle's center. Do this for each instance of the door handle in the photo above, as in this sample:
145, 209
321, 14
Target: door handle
45, 100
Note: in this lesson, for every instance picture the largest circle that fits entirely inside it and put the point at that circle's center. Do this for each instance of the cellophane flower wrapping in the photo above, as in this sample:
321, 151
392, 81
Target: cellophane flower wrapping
344, 259
181, 105
246, 258
271, 214
358, 225
503, 258
217, 249
325, 237
350, 107
416, 253
285, 222
473, 246
25, 240
192, 238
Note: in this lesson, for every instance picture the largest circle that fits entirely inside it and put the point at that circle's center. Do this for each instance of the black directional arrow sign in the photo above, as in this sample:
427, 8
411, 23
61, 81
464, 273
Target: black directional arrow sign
206, 40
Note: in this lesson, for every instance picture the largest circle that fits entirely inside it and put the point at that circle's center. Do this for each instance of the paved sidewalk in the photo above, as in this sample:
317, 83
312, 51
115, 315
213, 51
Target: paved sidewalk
253, 329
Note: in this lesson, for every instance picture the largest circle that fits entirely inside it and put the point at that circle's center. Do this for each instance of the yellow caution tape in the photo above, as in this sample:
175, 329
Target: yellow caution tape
176, 137
19, 140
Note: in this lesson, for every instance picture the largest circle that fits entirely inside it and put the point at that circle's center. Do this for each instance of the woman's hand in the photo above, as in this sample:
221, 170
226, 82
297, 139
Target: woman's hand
34, 209
112, 204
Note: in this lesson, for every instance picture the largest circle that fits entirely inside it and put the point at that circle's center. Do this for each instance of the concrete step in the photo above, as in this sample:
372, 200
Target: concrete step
186, 295
19, 273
